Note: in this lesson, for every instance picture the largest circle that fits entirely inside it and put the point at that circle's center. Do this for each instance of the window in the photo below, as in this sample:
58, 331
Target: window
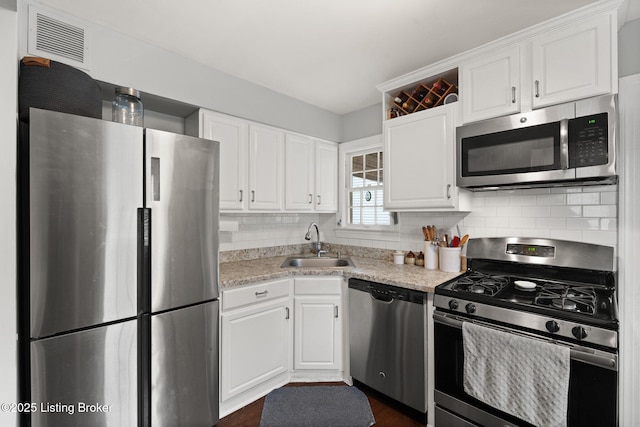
365, 189
362, 214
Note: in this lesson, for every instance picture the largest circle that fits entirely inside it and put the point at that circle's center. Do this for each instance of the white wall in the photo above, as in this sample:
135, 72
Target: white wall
8, 97
628, 49
122, 60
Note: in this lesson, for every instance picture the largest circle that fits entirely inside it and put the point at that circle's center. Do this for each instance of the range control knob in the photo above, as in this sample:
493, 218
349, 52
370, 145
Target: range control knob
579, 332
453, 304
552, 326
470, 308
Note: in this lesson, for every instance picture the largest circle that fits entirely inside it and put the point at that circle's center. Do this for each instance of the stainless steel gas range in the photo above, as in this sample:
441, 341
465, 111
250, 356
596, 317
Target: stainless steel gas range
529, 331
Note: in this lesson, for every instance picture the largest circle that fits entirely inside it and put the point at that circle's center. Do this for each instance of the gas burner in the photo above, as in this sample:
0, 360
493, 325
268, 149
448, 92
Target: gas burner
581, 299
479, 283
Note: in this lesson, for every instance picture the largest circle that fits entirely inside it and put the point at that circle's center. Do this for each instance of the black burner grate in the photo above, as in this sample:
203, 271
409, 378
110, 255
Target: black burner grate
479, 283
580, 299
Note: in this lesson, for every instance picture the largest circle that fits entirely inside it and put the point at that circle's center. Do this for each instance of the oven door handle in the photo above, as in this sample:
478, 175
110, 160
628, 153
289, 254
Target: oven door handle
581, 354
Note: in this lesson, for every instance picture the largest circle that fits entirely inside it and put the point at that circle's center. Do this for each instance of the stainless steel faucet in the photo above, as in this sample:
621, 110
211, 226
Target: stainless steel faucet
307, 236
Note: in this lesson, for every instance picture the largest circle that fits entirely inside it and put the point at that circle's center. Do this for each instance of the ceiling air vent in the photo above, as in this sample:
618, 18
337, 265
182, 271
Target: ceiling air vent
58, 37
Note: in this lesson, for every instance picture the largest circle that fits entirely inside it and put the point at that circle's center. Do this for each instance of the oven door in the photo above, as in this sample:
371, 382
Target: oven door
518, 149
592, 385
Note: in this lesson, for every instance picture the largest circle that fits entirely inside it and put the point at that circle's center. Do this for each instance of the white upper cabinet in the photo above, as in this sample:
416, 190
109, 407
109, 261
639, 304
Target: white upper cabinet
266, 169
311, 174
574, 61
233, 135
326, 176
491, 85
266, 163
299, 165
419, 161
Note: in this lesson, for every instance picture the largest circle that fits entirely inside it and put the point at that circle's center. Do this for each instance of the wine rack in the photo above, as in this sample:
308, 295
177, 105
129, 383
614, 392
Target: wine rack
422, 97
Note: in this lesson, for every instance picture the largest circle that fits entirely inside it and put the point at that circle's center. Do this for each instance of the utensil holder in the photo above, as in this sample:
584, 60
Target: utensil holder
449, 259
430, 256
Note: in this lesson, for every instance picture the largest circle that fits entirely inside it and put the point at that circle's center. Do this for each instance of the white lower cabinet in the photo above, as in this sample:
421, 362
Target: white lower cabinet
259, 334
254, 342
318, 323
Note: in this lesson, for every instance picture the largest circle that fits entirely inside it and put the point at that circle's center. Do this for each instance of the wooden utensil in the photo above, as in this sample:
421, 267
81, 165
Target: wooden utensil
464, 240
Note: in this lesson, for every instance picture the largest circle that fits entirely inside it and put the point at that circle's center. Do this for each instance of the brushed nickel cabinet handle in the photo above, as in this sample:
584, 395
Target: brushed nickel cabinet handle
448, 191
253, 196
262, 293
319, 200
513, 94
537, 84
241, 195
310, 198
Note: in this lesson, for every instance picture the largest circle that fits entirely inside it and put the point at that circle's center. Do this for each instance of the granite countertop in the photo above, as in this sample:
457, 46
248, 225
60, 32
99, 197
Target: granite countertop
240, 273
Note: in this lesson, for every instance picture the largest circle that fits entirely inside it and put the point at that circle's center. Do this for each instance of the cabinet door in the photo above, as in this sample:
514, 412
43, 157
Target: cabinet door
266, 155
573, 62
317, 332
299, 162
233, 135
491, 85
254, 346
419, 160
326, 176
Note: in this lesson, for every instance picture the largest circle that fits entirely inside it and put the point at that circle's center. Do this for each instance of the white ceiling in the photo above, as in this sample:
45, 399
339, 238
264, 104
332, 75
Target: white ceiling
329, 53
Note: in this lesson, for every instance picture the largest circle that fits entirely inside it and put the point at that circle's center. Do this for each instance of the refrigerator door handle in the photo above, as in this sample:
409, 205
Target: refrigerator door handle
155, 178
144, 260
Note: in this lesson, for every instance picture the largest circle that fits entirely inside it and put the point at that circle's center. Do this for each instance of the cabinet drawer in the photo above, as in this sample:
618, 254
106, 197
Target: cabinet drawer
254, 294
318, 286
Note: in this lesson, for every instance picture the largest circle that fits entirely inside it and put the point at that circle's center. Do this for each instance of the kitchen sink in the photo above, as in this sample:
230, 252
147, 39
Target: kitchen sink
316, 262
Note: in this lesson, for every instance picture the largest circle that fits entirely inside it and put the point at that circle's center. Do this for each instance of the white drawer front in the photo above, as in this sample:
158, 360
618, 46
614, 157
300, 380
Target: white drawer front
318, 285
254, 294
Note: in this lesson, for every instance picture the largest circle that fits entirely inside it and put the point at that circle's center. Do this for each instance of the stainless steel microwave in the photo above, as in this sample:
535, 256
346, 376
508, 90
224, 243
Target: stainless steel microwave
567, 144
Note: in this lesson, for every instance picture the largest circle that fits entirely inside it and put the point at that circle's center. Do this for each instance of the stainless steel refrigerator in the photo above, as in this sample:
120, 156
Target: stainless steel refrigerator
118, 275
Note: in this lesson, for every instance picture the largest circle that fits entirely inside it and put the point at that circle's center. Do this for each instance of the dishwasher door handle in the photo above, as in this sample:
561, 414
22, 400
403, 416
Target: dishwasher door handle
388, 300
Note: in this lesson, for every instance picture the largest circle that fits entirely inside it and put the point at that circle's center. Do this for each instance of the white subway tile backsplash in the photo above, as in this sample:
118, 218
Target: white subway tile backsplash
565, 211
551, 199
575, 235
509, 211
551, 223
602, 211
537, 191
600, 237
529, 200
520, 222
535, 232
565, 190
609, 224
609, 198
474, 221
496, 221
583, 199
583, 223
497, 201
586, 214
537, 211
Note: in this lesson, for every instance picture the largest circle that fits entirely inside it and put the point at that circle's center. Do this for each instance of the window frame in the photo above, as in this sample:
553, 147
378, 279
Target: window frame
345, 151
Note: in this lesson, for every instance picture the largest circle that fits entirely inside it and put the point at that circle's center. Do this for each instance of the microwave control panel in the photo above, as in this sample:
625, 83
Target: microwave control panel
588, 143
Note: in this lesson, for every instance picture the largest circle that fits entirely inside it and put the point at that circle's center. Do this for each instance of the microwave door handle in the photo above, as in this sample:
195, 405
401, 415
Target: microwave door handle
564, 144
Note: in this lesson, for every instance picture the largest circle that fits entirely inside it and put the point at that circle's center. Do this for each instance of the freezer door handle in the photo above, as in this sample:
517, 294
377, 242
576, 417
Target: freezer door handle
155, 178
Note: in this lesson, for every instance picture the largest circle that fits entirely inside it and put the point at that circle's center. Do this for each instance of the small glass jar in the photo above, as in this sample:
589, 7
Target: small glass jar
127, 107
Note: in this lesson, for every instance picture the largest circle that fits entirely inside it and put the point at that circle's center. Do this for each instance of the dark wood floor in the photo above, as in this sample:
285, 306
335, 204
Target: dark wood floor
386, 412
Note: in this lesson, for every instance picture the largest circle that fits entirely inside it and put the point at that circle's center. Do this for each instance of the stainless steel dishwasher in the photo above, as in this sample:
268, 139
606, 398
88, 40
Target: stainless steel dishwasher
388, 339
